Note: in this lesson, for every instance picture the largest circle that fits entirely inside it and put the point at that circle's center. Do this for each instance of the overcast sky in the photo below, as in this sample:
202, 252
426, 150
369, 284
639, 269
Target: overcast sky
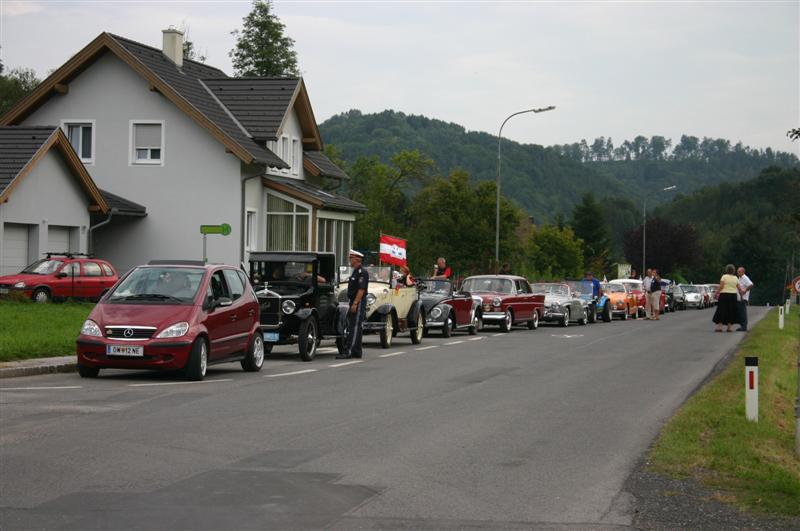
719, 69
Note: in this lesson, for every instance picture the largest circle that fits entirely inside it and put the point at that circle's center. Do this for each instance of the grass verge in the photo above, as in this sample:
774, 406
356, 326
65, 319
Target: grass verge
752, 465
31, 330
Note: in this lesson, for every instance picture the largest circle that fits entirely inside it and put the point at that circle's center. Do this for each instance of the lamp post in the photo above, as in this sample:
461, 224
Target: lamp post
644, 226
499, 162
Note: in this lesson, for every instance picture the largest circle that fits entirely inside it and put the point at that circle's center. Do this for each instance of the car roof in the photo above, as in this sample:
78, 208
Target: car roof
507, 277
270, 256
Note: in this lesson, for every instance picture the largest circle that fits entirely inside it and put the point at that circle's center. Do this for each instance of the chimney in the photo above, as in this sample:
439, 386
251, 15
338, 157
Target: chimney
173, 45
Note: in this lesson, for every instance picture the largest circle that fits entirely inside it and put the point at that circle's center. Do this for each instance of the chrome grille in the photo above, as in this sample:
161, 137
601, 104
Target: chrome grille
130, 333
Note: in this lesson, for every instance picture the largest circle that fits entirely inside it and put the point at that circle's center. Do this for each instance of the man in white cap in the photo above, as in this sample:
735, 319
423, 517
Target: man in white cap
357, 286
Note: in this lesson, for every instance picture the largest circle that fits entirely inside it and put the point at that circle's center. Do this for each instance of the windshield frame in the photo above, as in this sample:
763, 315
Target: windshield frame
139, 274
37, 264
503, 281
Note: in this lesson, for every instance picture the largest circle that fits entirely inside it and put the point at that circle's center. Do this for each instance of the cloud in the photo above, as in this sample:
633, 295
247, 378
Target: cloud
15, 8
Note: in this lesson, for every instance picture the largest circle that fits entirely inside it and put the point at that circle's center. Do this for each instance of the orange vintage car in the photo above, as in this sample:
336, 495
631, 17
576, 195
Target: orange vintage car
623, 300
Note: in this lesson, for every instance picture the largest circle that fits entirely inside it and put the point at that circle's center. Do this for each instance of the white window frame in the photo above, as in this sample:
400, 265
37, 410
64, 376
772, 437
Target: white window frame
294, 201
285, 155
250, 236
65, 128
296, 156
132, 160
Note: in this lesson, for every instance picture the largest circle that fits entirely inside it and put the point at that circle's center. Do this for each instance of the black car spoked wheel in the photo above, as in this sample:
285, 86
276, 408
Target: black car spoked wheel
476, 325
533, 324
507, 322
565, 319
198, 360
585, 317
447, 328
387, 331
416, 334
307, 339
607, 312
254, 359
591, 314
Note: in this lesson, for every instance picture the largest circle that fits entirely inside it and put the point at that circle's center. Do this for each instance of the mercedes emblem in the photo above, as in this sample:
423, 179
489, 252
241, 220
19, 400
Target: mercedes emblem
128, 332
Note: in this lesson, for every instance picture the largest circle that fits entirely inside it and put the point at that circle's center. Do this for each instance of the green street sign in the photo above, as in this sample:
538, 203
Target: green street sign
223, 229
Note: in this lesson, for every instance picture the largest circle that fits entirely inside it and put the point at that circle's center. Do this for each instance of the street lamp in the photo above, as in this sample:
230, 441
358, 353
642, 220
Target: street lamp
499, 161
644, 226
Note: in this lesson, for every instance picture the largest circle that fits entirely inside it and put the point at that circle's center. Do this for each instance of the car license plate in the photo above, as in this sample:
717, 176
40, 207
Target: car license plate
119, 350
272, 337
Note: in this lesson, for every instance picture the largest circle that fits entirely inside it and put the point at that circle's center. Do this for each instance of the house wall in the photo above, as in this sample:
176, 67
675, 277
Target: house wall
49, 195
198, 182
291, 128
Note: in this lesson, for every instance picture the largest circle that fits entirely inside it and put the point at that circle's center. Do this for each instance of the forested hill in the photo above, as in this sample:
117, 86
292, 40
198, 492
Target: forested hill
549, 180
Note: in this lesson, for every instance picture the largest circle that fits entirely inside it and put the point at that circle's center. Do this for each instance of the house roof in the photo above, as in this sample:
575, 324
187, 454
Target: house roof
259, 104
306, 191
21, 148
318, 164
122, 206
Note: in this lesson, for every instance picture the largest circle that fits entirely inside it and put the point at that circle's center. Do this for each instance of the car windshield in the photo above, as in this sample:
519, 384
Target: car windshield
283, 273
376, 273
551, 289
632, 285
494, 285
581, 287
690, 289
43, 267
437, 287
614, 288
172, 285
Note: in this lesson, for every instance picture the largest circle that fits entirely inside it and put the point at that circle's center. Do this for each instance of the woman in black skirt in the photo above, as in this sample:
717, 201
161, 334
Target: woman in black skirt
727, 307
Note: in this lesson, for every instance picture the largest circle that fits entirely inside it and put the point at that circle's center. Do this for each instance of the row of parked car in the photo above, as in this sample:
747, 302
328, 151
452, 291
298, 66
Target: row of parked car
187, 315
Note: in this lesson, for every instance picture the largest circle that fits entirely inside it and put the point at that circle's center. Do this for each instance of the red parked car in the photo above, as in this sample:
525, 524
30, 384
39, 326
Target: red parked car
61, 277
174, 315
506, 300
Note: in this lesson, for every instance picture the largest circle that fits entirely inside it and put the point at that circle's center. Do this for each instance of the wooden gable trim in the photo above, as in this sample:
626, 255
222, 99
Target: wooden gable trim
59, 140
308, 124
311, 168
80, 60
291, 192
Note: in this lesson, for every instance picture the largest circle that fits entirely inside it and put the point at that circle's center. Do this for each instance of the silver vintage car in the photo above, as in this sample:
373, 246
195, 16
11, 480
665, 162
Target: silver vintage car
561, 305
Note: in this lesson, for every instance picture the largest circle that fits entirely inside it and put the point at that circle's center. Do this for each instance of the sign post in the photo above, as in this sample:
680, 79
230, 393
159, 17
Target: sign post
751, 388
224, 229
780, 317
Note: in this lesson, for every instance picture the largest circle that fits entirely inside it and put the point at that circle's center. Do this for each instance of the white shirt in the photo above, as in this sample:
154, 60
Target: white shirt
744, 283
646, 284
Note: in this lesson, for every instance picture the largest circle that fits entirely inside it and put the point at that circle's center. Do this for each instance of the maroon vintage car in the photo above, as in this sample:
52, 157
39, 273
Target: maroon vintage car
506, 300
449, 310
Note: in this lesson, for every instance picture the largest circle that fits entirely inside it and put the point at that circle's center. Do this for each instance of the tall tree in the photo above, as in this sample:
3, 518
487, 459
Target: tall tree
554, 253
262, 49
15, 85
589, 225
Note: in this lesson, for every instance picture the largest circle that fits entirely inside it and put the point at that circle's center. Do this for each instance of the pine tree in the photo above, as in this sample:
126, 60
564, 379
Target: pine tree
590, 226
262, 49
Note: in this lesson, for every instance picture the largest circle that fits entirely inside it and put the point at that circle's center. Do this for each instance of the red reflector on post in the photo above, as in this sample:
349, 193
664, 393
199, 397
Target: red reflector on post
752, 381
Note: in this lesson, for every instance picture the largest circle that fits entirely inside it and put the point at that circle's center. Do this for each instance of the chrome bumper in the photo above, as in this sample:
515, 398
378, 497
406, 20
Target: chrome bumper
493, 316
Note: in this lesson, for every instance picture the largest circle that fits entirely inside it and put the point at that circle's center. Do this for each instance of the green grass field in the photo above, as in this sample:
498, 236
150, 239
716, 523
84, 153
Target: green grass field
752, 465
30, 330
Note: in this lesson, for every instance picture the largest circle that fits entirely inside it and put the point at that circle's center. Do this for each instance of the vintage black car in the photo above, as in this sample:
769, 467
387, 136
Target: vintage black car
296, 294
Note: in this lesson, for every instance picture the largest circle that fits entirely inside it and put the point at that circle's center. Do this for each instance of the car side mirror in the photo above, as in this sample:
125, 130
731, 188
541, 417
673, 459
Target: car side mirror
223, 302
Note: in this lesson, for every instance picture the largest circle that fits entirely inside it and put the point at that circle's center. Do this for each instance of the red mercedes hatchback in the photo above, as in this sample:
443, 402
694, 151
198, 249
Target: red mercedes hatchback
176, 316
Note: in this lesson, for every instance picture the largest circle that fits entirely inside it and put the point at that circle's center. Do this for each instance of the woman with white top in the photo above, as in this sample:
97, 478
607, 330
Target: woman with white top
727, 306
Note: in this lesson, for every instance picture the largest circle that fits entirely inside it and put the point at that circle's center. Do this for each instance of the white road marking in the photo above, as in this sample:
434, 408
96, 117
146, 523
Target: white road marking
389, 355
327, 350
290, 373
566, 336
426, 348
454, 343
500, 334
180, 383
346, 363
476, 338
40, 388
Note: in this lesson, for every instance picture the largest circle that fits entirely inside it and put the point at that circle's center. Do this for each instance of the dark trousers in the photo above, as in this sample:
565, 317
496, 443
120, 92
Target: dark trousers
355, 323
743, 314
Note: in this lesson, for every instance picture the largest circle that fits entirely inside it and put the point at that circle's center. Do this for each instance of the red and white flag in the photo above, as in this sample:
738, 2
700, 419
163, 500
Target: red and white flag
393, 250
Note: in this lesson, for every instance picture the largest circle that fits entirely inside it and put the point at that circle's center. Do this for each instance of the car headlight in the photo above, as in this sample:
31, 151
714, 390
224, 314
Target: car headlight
496, 302
436, 312
176, 330
288, 307
90, 328
370, 299
20, 285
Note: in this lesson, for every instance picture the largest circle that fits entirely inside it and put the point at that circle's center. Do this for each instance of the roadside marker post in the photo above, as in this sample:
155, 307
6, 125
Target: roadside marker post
751, 388
780, 317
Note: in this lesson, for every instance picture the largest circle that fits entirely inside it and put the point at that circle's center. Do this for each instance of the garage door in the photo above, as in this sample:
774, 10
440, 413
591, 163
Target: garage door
58, 239
15, 248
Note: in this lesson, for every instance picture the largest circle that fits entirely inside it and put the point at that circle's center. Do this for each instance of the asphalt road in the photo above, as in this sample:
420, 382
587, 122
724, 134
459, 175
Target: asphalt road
520, 430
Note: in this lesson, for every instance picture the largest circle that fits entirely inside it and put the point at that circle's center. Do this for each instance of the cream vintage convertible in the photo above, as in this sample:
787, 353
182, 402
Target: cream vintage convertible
390, 310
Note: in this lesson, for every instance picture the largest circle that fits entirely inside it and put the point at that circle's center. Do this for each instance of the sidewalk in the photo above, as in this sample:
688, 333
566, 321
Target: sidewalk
12, 369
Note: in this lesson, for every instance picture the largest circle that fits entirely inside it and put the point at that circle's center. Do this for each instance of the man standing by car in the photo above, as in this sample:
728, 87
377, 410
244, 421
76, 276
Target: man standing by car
648, 310
442, 271
357, 286
597, 290
654, 295
745, 285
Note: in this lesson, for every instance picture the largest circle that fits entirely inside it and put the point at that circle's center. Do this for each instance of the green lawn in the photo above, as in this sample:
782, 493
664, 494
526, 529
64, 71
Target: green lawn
31, 330
752, 465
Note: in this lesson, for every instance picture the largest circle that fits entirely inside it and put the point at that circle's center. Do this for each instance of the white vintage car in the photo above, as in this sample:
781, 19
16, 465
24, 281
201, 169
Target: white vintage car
390, 310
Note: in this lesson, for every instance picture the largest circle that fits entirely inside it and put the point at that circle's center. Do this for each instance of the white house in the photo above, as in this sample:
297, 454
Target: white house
176, 144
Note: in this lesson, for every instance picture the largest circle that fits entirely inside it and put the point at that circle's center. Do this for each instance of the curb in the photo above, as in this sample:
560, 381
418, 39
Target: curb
35, 367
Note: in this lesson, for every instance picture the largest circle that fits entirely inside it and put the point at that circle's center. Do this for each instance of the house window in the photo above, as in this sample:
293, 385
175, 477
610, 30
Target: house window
288, 224
285, 155
335, 236
295, 156
81, 136
250, 227
147, 142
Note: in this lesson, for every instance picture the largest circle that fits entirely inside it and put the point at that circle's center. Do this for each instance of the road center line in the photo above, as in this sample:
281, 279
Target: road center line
40, 388
345, 363
389, 355
426, 348
454, 343
180, 383
290, 373
476, 338
498, 335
